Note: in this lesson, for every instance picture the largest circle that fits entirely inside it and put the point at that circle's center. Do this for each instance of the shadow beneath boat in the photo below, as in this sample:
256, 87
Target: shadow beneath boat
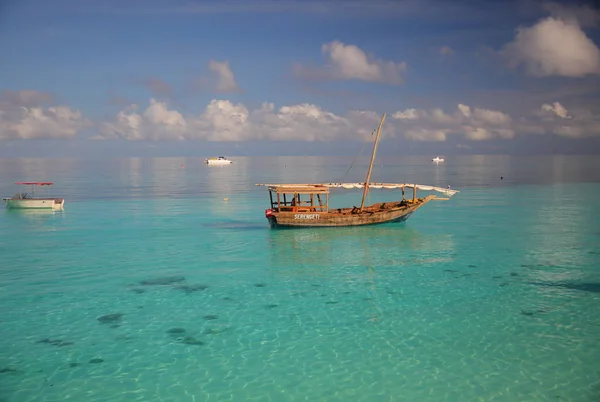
237, 225
398, 231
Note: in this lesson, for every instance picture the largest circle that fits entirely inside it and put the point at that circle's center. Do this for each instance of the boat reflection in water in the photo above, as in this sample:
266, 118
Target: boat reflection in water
321, 252
35, 220
362, 272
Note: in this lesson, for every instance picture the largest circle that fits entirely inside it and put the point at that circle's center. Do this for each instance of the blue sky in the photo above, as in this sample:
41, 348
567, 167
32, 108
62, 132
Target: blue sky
289, 77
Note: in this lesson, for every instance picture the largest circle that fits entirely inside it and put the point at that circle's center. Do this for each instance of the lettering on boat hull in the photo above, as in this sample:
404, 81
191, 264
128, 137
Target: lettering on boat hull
307, 216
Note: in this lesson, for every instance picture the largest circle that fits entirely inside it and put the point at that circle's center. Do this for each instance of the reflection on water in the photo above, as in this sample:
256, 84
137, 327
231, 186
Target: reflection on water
310, 251
226, 180
27, 219
367, 264
40, 214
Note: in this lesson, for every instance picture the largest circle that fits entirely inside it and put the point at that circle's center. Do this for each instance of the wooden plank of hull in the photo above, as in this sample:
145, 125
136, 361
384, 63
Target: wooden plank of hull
374, 214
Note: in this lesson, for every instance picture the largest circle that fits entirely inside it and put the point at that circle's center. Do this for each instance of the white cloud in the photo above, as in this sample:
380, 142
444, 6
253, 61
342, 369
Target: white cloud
349, 62
223, 120
583, 15
569, 131
23, 116
423, 134
157, 122
556, 119
437, 125
408, 114
225, 80
554, 46
555, 109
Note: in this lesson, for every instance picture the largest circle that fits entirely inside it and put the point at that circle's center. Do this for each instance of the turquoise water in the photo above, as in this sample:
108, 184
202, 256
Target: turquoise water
150, 286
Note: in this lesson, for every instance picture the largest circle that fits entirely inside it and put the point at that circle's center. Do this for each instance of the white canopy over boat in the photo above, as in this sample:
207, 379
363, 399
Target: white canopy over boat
389, 186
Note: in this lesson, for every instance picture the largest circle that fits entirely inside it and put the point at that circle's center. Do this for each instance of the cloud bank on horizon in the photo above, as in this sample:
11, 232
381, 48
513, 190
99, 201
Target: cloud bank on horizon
554, 48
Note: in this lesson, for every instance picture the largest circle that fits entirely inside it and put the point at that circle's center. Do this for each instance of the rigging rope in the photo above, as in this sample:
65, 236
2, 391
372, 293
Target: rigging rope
355, 158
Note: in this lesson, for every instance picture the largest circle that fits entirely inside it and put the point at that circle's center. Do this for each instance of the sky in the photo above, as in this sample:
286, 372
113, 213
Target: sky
291, 77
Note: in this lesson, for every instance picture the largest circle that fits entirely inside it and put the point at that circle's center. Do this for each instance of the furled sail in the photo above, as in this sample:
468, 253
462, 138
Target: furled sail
389, 186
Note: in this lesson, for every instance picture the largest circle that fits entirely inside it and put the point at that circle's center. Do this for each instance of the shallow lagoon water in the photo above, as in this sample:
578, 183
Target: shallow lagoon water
151, 287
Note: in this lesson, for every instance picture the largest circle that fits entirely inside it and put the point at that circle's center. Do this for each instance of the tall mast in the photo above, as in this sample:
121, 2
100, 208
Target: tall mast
364, 197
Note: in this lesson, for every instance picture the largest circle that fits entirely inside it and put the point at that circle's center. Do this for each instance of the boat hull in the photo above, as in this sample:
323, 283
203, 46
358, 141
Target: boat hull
55, 204
218, 162
391, 212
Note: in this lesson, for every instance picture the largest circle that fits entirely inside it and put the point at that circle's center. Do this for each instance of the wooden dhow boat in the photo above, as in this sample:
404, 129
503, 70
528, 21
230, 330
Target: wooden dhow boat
307, 205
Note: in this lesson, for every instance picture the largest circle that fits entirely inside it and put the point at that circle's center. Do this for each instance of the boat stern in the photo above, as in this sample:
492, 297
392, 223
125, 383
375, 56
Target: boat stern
59, 204
269, 214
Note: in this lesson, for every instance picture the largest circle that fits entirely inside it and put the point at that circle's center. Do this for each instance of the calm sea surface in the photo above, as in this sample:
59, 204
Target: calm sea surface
151, 287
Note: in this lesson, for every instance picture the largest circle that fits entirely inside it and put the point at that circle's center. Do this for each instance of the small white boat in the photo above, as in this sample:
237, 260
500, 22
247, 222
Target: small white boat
437, 159
29, 201
221, 160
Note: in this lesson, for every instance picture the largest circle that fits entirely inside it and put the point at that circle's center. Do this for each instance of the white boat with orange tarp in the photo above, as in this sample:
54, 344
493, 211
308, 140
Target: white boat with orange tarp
25, 200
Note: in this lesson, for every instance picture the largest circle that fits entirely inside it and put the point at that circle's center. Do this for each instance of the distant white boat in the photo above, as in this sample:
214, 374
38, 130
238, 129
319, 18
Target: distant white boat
30, 201
221, 160
437, 159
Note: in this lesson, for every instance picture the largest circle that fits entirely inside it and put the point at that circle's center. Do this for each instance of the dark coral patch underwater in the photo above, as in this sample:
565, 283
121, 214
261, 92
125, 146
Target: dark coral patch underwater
179, 335
236, 225
55, 342
188, 340
167, 280
191, 288
111, 318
